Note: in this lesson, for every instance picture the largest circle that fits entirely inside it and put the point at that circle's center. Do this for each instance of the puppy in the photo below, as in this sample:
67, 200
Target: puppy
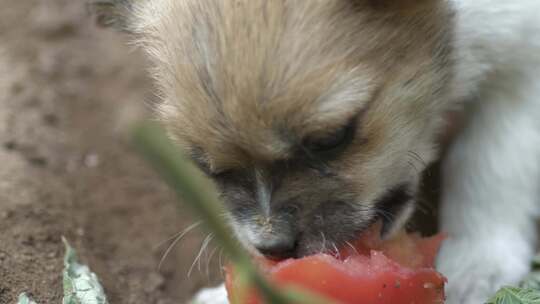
316, 119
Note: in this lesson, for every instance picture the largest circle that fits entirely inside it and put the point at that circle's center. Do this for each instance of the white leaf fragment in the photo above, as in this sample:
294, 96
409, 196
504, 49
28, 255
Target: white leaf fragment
81, 285
25, 299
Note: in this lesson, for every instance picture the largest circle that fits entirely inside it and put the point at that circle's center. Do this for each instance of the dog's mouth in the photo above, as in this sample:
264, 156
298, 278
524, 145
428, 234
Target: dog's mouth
392, 206
393, 209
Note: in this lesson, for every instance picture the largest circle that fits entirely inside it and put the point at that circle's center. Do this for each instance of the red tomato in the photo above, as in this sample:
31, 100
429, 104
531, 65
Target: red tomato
398, 271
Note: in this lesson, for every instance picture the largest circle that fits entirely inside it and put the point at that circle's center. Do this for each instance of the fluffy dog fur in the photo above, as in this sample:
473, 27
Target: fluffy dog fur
250, 87
492, 173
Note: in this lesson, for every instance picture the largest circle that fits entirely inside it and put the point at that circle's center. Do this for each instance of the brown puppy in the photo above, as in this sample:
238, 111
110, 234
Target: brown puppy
315, 118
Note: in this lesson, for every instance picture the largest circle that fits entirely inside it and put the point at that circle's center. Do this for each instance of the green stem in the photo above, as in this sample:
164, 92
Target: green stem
199, 193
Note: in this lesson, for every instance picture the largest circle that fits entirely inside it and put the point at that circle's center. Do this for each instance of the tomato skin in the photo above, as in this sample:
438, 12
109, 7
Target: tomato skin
411, 250
360, 279
362, 276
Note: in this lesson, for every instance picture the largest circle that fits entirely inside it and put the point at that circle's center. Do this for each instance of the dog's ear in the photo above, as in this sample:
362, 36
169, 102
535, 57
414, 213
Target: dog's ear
111, 13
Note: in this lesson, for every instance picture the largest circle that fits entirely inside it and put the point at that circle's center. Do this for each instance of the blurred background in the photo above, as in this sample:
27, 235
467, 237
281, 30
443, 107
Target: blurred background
68, 93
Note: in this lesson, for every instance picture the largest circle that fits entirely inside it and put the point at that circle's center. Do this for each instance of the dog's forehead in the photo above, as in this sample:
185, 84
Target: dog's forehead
267, 126
252, 77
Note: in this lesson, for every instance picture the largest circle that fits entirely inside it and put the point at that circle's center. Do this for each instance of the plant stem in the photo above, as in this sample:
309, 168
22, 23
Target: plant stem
199, 193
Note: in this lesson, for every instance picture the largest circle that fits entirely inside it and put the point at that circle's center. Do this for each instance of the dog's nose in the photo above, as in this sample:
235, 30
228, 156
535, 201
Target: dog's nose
278, 248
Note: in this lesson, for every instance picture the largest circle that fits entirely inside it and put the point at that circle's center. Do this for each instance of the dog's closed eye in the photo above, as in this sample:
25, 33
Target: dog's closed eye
330, 145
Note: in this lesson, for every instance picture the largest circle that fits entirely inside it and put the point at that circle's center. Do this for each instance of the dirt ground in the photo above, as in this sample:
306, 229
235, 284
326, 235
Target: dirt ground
68, 92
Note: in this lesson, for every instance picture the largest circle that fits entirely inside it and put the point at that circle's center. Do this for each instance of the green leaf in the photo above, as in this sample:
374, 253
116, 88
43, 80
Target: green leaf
515, 295
532, 281
81, 286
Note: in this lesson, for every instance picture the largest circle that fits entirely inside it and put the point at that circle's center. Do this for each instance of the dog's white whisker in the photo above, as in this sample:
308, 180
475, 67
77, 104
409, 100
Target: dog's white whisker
204, 245
176, 235
352, 247
338, 254
209, 260
177, 239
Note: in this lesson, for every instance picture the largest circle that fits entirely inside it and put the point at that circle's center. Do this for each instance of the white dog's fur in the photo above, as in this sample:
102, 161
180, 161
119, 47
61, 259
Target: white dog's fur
491, 196
491, 183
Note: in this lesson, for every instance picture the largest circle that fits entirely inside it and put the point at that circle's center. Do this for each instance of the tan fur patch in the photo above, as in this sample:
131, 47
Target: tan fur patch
249, 79
245, 82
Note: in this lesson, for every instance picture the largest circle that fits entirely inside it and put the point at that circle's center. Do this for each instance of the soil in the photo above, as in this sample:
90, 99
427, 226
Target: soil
68, 93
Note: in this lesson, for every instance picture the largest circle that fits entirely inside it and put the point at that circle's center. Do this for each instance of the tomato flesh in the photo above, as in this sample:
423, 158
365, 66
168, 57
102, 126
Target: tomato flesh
398, 271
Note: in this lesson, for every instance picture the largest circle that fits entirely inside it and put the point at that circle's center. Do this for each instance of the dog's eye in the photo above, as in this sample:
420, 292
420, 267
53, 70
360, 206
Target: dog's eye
221, 174
331, 142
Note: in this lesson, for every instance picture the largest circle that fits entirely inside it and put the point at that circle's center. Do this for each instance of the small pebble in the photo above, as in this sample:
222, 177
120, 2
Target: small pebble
38, 161
154, 282
91, 160
79, 232
51, 120
10, 145
5, 214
